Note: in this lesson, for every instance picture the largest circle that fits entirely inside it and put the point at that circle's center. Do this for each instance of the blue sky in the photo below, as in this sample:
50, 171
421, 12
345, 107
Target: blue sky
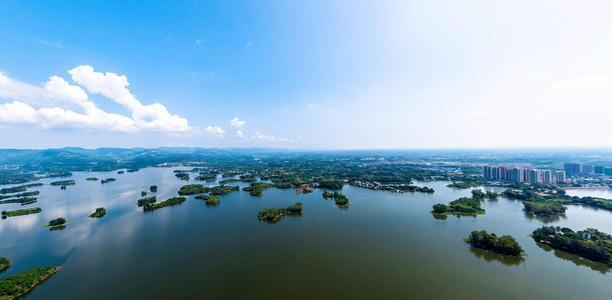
305, 74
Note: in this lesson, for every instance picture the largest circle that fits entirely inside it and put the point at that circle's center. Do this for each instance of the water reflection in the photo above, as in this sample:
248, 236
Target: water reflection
577, 260
489, 256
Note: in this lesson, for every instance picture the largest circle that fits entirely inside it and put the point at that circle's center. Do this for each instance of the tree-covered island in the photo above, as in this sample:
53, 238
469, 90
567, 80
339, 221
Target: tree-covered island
209, 199
273, 215
222, 190
15, 286
192, 189
107, 180
590, 243
99, 213
4, 263
257, 188
57, 223
170, 202
63, 183
504, 244
341, 200
147, 200
461, 207
20, 212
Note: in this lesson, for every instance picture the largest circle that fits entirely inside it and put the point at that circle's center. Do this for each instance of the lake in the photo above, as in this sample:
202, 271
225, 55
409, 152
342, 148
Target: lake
384, 246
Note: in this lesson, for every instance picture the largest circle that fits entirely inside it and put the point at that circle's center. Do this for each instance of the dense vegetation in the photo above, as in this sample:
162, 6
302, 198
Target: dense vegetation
182, 176
63, 182
91, 178
158, 205
17, 285
222, 190
4, 263
257, 188
99, 213
273, 215
107, 180
464, 184
331, 184
20, 212
153, 189
544, 208
147, 200
192, 189
340, 199
58, 222
462, 206
505, 244
589, 243
209, 199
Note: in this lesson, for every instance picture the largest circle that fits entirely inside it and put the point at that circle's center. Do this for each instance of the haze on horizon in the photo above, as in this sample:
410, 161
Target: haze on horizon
306, 74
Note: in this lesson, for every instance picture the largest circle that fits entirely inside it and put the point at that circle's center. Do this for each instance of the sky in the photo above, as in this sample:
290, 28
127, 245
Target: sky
306, 74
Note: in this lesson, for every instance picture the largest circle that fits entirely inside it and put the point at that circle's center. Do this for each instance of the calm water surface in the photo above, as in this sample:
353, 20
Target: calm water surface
385, 246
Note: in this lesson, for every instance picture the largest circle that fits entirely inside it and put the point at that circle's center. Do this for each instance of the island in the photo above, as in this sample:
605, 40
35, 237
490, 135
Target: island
182, 175
206, 176
273, 215
504, 244
170, 202
99, 213
147, 200
4, 263
15, 286
107, 180
464, 184
153, 189
120, 172
590, 243
22, 198
341, 200
91, 178
192, 189
20, 212
63, 182
209, 199
58, 223
332, 184
257, 188
222, 190
544, 208
461, 207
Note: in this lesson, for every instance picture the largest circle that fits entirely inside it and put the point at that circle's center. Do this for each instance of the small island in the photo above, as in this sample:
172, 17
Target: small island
544, 208
463, 184
15, 286
341, 200
257, 188
182, 175
590, 243
461, 207
209, 199
58, 223
99, 213
147, 200
107, 180
20, 212
91, 178
4, 263
273, 215
63, 183
153, 189
222, 190
192, 189
504, 244
170, 202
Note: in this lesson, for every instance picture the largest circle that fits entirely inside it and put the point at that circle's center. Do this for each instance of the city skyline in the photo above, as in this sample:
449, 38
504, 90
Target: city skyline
414, 75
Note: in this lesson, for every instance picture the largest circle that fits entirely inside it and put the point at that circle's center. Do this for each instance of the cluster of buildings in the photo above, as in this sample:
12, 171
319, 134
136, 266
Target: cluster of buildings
573, 169
517, 174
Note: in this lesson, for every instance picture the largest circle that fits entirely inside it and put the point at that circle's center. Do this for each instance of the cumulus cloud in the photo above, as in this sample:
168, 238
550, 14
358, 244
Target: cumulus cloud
237, 123
268, 138
58, 103
214, 130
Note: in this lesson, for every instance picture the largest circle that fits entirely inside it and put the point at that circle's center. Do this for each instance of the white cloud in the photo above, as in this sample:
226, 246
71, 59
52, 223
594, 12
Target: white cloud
268, 138
237, 123
239, 133
53, 97
214, 130
310, 106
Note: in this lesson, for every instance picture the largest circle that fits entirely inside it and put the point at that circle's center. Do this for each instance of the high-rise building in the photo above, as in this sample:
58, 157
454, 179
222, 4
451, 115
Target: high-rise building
560, 176
487, 172
547, 176
599, 169
526, 175
587, 169
571, 169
